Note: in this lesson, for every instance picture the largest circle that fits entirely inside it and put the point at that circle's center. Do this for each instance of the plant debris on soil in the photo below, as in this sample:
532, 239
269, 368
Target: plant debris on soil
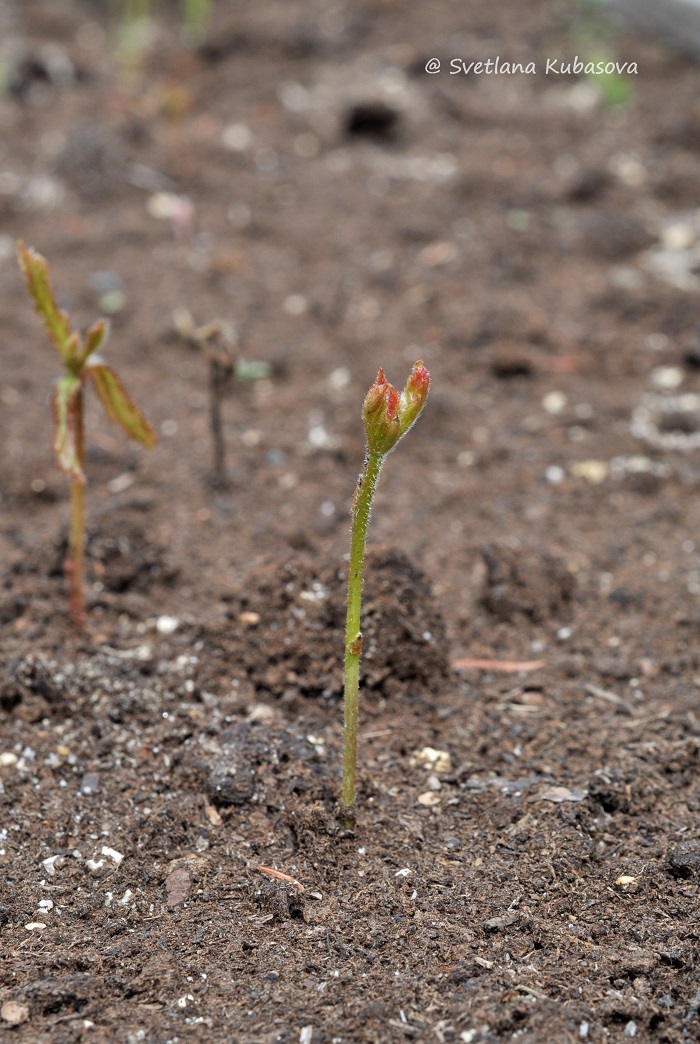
526, 860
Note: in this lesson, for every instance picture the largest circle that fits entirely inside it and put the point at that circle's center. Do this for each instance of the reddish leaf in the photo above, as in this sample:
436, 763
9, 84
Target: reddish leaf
117, 403
66, 403
36, 272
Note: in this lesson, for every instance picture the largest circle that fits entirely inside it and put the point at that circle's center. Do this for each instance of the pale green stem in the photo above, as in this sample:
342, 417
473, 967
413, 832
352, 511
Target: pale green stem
361, 506
76, 554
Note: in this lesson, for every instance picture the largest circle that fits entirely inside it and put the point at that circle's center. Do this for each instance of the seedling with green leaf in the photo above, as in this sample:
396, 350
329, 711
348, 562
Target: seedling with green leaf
387, 417
79, 355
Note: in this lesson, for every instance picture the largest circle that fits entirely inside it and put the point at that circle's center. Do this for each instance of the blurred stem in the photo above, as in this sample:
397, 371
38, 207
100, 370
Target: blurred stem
76, 555
217, 378
361, 507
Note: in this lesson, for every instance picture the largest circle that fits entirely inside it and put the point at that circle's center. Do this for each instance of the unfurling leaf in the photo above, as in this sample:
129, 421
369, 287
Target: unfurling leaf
57, 323
388, 415
120, 408
94, 339
66, 405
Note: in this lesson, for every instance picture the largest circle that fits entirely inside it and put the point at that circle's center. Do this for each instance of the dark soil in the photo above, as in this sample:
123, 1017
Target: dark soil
534, 873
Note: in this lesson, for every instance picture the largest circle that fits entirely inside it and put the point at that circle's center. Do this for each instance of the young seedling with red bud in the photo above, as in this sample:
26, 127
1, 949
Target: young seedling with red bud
79, 355
387, 417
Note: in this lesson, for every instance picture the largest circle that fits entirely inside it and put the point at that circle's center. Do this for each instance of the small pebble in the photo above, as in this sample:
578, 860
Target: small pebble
436, 254
437, 760
593, 471
34, 926
90, 783
167, 624
429, 799
94, 864
554, 402
112, 854
236, 137
53, 863
14, 1013
685, 858
554, 475
295, 304
667, 378
44, 905
7, 759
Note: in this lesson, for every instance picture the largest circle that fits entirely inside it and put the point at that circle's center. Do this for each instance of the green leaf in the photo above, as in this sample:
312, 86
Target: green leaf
117, 403
57, 324
94, 339
66, 404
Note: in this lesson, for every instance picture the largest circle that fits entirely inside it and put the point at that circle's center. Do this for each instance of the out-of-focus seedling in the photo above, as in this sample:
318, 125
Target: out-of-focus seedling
79, 355
218, 343
133, 30
197, 14
387, 417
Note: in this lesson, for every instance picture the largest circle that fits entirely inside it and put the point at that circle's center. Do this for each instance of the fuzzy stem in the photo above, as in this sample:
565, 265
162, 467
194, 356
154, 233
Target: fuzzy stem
75, 562
361, 506
217, 377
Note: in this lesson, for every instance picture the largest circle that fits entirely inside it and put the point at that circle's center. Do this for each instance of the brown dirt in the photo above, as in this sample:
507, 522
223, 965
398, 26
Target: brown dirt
541, 885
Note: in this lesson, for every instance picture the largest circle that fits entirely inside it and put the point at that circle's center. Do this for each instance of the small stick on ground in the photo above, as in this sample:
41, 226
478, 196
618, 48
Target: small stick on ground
279, 876
508, 666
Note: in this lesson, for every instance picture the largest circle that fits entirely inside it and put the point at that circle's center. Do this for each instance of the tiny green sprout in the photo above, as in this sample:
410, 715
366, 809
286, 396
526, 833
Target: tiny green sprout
387, 417
79, 355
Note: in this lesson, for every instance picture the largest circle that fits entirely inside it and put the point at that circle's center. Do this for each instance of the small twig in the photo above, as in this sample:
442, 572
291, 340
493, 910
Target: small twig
611, 697
279, 876
644, 721
509, 666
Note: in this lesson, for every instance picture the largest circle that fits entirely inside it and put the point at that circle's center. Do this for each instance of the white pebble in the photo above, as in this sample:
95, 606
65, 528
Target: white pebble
112, 854
236, 137
667, 378
554, 474
295, 304
8, 758
52, 863
94, 864
339, 378
34, 926
167, 624
554, 402
44, 905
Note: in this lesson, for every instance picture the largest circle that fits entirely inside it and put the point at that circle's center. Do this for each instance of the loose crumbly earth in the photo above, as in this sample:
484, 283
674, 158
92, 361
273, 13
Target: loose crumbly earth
536, 878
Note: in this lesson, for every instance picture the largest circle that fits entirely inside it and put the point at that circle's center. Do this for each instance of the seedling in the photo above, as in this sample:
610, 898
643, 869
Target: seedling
79, 355
387, 417
197, 15
219, 344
